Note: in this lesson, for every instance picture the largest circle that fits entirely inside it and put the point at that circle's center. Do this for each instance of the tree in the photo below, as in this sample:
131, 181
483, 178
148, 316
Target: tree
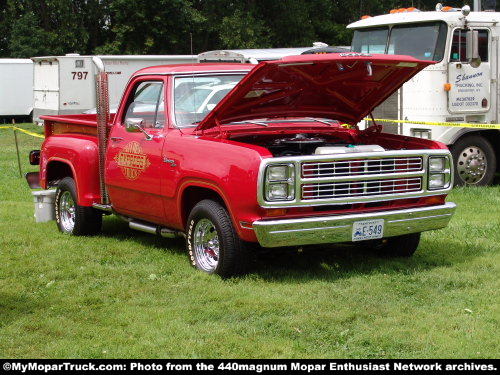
42, 27
4, 29
140, 28
54, 27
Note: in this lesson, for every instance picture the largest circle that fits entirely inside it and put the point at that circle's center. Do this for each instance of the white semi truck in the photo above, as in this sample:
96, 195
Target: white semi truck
66, 84
16, 88
461, 88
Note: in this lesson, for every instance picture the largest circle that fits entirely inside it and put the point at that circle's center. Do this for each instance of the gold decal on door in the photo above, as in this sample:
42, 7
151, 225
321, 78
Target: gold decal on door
132, 160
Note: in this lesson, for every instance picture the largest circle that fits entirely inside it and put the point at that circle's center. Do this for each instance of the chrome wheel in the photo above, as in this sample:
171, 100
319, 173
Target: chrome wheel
206, 245
471, 165
67, 210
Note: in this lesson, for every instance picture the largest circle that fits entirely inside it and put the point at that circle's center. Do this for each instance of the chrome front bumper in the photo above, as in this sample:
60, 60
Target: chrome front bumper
333, 229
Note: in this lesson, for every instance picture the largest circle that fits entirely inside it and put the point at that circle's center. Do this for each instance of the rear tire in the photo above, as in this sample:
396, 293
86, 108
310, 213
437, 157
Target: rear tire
72, 218
212, 242
400, 246
475, 161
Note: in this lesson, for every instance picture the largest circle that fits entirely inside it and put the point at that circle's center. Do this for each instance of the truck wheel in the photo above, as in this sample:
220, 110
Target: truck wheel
212, 242
400, 246
475, 161
72, 218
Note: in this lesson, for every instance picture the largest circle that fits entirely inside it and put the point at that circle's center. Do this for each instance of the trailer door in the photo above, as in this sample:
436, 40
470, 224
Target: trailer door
470, 87
77, 84
45, 88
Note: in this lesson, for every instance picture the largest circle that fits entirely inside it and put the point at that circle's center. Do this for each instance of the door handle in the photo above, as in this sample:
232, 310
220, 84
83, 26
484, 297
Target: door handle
117, 139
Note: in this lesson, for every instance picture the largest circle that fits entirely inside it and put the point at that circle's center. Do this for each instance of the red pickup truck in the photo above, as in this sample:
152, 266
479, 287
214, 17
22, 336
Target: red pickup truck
233, 154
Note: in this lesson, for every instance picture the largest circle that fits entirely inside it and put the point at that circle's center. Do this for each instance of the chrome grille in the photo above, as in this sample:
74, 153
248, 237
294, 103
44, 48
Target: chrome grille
329, 190
361, 167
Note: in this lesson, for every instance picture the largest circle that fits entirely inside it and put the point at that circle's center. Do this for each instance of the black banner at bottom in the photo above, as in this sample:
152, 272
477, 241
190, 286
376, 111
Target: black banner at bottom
24, 366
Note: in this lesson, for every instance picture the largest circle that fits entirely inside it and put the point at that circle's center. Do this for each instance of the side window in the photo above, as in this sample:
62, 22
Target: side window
458, 49
146, 103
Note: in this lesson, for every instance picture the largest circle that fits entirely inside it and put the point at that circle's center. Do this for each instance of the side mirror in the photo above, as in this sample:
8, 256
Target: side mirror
472, 48
134, 125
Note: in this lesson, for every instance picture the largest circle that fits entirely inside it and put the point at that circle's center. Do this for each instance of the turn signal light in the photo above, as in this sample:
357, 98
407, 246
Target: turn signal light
446, 9
447, 86
438, 199
276, 212
365, 17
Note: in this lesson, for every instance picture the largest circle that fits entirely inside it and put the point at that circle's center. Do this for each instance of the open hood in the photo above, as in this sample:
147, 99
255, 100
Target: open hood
340, 86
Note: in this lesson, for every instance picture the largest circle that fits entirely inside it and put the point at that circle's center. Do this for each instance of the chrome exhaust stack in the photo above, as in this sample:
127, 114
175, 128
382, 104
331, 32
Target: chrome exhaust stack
102, 101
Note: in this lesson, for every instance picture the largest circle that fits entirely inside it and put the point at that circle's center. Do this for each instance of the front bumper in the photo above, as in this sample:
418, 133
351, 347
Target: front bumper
334, 229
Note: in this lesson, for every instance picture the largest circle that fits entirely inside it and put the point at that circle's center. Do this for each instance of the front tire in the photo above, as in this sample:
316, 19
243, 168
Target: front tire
72, 218
212, 242
475, 161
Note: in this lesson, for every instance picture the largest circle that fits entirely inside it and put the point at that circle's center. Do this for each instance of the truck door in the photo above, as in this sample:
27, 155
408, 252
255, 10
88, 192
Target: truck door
133, 160
470, 86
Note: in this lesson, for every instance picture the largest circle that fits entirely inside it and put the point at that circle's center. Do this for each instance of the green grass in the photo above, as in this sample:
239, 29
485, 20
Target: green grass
127, 294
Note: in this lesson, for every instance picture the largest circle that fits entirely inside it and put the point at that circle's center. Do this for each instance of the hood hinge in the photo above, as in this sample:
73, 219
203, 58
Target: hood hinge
375, 128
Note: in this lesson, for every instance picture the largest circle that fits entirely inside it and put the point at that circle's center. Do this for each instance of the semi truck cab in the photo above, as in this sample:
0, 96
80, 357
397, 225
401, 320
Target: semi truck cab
461, 87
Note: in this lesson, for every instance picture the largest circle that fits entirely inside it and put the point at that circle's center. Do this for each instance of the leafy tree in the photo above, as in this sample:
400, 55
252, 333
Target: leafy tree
55, 27
244, 30
4, 29
45, 27
140, 28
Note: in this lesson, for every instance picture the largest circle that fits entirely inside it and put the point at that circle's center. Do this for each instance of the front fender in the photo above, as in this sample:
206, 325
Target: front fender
228, 168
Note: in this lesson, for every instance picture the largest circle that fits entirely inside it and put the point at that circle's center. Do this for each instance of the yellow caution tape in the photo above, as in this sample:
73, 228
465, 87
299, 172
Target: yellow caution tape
452, 124
22, 130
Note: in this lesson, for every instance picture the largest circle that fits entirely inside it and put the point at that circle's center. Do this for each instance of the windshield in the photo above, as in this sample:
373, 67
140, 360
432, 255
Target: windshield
196, 96
425, 41
192, 99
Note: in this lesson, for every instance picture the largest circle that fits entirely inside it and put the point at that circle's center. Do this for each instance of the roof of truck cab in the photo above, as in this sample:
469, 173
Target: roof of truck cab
194, 68
414, 17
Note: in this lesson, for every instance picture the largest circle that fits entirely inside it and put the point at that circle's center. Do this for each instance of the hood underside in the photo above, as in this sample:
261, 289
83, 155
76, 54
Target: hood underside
341, 86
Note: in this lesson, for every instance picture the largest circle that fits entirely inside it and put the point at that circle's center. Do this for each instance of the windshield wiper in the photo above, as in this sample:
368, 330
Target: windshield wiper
322, 121
251, 122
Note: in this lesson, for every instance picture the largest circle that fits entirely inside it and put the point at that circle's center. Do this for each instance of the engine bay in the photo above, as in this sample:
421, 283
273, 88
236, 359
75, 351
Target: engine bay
306, 144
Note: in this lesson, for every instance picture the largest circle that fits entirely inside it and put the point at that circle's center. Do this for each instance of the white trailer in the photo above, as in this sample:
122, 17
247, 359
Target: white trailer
66, 84
462, 87
257, 55
16, 87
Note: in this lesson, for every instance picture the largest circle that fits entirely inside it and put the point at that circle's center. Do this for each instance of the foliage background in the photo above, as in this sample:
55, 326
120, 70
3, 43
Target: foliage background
54, 27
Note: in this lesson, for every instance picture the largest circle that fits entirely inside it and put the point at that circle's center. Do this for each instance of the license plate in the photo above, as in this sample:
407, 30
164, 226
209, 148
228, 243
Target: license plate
367, 230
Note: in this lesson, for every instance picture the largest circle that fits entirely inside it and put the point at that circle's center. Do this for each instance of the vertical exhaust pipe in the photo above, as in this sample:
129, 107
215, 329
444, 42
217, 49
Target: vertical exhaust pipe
102, 101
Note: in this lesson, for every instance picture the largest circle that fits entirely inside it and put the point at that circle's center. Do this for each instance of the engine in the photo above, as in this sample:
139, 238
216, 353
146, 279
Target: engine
299, 144
307, 144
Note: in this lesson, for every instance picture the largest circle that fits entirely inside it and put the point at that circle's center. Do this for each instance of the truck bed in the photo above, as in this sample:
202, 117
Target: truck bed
72, 124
